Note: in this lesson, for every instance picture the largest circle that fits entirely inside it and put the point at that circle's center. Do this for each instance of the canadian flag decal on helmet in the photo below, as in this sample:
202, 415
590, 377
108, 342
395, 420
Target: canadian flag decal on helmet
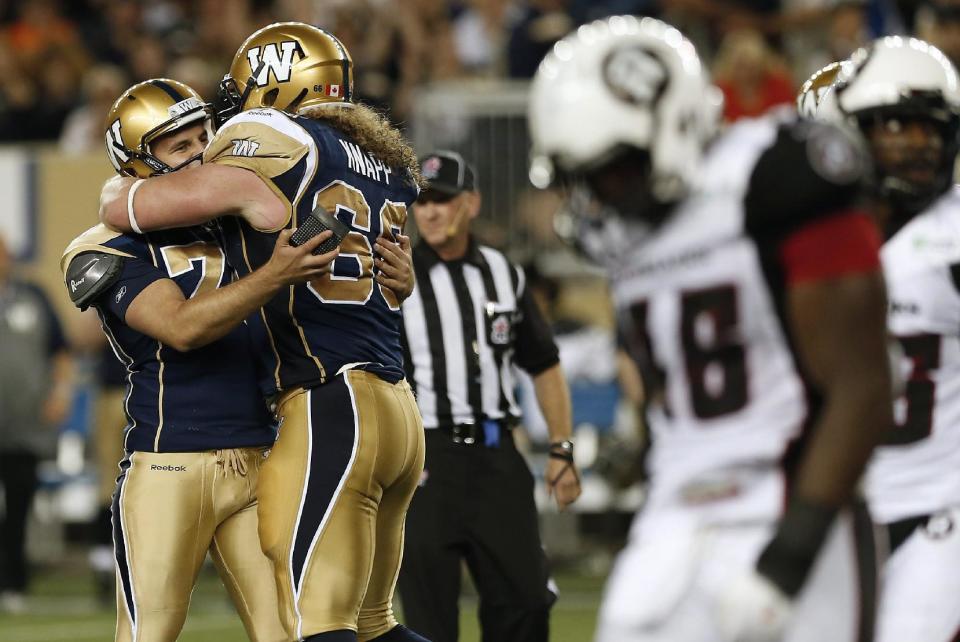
275, 58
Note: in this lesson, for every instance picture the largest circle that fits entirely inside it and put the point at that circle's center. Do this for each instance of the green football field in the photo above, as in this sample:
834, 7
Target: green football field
62, 606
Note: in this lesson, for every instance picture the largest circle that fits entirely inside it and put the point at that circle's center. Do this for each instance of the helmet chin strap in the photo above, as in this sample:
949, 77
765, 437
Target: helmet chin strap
248, 87
186, 163
162, 168
231, 99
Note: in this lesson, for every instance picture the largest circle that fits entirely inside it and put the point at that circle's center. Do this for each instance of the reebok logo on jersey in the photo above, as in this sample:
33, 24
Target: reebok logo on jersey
121, 293
903, 307
172, 469
245, 147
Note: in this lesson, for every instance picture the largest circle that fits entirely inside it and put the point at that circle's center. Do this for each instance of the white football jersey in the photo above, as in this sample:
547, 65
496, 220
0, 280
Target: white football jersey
918, 472
698, 300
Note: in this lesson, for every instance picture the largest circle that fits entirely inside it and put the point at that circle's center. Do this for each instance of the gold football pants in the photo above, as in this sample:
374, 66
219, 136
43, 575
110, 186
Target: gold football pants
169, 510
109, 421
333, 496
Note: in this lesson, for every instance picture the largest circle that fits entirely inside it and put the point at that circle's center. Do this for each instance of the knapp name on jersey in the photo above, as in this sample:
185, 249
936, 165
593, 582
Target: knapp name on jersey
365, 164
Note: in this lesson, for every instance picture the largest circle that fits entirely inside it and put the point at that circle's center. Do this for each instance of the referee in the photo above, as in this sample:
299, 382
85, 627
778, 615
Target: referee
469, 321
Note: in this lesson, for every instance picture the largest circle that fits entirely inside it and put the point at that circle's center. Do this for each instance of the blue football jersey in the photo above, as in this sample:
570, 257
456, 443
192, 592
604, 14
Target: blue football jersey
308, 333
204, 399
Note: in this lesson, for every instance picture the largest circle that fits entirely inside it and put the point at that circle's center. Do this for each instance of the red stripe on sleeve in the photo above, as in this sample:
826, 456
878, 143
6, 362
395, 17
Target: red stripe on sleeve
845, 243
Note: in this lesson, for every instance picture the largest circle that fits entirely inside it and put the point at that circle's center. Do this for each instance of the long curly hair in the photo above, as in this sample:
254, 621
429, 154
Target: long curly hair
373, 132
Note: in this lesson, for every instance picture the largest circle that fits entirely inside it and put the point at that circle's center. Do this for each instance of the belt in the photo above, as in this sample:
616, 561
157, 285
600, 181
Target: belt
898, 532
471, 434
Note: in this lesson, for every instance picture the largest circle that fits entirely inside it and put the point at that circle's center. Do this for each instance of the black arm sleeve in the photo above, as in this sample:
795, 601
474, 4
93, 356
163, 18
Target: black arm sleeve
534, 346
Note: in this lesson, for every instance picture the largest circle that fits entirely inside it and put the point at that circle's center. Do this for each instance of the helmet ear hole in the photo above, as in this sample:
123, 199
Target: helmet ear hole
292, 107
270, 97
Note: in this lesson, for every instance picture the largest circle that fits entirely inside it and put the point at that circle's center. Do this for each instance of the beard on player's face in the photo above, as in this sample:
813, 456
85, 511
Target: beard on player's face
908, 150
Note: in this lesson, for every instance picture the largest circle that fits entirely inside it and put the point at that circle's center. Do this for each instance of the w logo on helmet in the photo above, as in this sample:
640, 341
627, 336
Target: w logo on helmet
274, 58
115, 149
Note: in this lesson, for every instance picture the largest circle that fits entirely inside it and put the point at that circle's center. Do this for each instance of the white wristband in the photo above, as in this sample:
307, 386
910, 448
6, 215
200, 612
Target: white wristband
130, 215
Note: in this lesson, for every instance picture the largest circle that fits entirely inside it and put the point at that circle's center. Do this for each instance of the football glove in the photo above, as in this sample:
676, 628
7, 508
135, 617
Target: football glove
753, 609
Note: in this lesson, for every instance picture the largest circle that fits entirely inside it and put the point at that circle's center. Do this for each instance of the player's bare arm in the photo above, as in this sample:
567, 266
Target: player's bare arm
190, 196
162, 312
841, 340
840, 334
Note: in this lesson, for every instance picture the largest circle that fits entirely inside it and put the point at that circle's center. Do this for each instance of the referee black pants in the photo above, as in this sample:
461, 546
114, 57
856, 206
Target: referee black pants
475, 503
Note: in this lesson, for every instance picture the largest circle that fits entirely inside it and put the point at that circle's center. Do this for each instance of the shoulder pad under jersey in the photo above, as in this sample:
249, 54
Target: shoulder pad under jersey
90, 274
811, 169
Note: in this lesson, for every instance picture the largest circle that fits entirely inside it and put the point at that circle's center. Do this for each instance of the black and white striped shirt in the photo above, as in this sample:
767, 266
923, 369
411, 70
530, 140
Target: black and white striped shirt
467, 324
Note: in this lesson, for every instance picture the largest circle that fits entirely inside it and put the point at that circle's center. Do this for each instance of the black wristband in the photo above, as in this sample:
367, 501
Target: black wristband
788, 557
561, 450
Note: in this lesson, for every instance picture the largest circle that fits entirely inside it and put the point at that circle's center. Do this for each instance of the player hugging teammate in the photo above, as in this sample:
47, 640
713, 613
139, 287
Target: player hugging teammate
333, 493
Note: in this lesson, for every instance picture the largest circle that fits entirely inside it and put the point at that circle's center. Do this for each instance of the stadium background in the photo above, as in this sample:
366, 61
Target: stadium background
453, 74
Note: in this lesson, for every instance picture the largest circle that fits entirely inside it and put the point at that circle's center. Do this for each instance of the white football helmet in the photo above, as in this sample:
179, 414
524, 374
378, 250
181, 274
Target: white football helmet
899, 77
816, 87
622, 83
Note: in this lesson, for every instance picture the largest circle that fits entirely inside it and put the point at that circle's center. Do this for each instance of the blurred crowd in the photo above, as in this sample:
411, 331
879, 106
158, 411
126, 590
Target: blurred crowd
63, 63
